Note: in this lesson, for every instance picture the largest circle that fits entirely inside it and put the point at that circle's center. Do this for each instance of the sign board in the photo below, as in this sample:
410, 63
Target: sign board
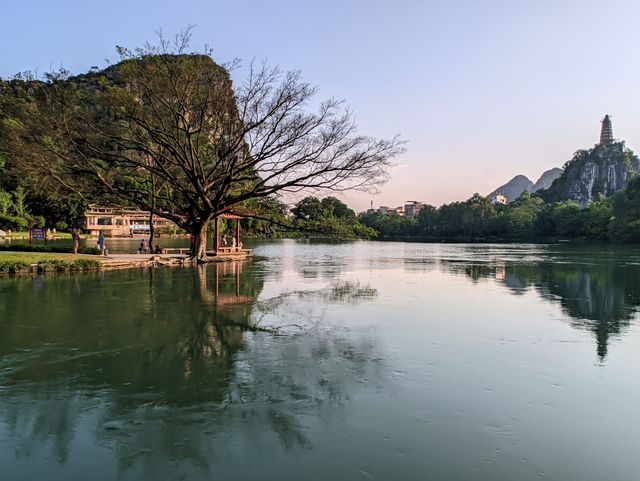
38, 233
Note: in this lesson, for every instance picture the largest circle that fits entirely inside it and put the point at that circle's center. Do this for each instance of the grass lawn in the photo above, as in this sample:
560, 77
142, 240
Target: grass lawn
12, 263
37, 257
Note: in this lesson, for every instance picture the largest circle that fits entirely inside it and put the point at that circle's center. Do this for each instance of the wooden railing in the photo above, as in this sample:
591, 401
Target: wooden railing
176, 250
221, 250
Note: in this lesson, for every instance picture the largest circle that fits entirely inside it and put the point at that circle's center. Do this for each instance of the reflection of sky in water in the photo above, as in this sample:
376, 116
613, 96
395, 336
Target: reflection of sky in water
340, 361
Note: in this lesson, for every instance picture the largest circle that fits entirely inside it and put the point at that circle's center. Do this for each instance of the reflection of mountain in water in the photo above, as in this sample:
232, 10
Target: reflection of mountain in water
167, 365
599, 297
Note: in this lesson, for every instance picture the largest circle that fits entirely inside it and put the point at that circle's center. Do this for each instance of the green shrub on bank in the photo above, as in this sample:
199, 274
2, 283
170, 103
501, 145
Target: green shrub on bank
59, 265
14, 267
10, 222
86, 265
53, 249
54, 265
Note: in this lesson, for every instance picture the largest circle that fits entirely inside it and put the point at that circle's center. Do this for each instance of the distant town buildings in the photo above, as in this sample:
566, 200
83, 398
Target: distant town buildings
413, 207
410, 209
120, 222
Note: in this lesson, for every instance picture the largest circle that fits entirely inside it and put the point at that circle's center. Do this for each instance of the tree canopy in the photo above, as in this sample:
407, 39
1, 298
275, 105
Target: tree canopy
528, 218
166, 130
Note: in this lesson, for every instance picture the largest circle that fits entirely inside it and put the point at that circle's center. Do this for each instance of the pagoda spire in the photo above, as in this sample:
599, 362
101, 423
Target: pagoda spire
606, 132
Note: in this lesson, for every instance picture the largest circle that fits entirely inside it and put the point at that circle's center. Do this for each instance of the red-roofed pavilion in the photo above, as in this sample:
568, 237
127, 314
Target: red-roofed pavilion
236, 246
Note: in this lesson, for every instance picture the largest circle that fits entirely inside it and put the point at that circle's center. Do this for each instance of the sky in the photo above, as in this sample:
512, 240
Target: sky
482, 90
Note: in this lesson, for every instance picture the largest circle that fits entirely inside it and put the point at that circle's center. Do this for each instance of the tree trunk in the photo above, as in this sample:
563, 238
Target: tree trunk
199, 253
152, 246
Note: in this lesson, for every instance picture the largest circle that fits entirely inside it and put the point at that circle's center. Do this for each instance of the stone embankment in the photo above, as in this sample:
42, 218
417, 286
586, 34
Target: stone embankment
126, 261
26, 263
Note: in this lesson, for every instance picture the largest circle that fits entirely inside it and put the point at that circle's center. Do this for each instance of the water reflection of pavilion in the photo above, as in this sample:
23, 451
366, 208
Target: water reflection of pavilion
233, 269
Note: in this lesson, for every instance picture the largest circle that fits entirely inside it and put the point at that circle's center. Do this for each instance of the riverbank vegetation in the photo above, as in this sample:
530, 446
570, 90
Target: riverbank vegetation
39, 248
12, 263
329, 216
615, 218
310, 217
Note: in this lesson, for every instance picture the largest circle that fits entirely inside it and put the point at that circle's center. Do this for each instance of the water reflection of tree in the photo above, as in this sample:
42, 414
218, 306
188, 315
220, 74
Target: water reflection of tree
599, 297
303, 308
475, 271
172, 369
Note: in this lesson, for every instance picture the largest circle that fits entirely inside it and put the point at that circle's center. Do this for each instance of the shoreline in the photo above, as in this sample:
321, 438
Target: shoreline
67, 262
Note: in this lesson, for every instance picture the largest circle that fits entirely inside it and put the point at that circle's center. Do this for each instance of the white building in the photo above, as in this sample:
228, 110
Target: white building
499, 199
413, 207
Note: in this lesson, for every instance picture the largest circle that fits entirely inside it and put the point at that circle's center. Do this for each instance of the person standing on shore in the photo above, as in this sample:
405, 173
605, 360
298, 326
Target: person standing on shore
76, 240
101, 244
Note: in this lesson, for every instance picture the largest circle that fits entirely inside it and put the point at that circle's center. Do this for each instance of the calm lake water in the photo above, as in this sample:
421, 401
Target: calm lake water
362, 360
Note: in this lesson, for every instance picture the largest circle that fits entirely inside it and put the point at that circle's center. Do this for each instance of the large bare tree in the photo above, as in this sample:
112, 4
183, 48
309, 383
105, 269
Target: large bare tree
165, 130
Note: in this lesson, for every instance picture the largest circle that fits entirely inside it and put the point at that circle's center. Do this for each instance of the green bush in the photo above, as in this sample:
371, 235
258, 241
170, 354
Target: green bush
53, 265
86, 250
14, 267
85, 265
9, 222
38, 221
54, 249
24, 248
59, 265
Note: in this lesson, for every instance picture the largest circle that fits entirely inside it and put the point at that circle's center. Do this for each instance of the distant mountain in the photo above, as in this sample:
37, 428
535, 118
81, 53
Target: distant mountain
604, 169
516, 186
547, 178
512, 189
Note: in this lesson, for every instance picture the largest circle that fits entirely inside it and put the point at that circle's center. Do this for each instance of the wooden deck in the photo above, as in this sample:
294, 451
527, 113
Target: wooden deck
222, 251
230, 253
123, 261
231, 250
176, 250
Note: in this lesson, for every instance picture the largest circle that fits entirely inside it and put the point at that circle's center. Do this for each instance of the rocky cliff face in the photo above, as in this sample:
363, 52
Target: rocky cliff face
604, 169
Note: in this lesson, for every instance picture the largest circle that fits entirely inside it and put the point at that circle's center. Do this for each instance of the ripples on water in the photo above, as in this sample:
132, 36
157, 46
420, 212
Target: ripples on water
362, 360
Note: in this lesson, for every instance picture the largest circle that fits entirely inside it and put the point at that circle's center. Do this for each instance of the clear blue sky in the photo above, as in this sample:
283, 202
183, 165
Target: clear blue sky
483, 90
